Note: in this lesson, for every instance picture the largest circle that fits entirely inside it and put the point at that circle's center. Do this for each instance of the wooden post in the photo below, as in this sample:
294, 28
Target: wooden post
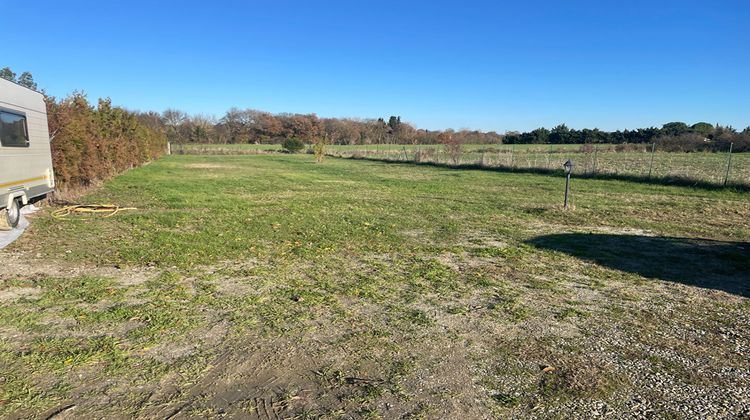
594, 169
549, 153
651, 165
729, 164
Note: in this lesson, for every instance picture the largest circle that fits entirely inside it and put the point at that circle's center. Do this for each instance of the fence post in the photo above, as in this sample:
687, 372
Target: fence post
729, 164
549, 154
651, 165
593, 170
512, 158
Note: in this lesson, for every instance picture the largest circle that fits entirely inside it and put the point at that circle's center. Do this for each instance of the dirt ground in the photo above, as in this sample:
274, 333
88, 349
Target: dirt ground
323, 302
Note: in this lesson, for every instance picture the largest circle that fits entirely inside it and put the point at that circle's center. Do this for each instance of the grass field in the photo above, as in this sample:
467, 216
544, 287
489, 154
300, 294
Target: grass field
374, 147
271, 287
701, 167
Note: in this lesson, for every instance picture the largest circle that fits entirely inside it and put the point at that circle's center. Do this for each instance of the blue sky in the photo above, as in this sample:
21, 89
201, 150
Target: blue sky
469, 64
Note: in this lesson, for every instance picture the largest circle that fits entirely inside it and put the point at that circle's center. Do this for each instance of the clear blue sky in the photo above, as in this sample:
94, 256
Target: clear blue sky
483, 65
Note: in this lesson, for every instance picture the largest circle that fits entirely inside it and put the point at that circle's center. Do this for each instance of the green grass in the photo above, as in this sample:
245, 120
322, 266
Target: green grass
286, 206
375, 147
236, 147
703, 167
607, 160
372, 269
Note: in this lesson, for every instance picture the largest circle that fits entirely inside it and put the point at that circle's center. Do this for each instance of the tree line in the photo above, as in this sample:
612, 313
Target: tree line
673, 136
249, 126
90, 143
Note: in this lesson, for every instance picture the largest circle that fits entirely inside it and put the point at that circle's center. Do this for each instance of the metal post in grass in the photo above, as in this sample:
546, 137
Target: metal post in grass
729, 164
568, 169
651, 165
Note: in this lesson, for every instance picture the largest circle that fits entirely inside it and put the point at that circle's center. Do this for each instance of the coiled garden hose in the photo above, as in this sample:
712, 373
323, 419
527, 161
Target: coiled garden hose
108, 210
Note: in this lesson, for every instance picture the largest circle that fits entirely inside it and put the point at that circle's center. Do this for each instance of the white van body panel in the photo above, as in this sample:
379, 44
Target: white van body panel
25, 172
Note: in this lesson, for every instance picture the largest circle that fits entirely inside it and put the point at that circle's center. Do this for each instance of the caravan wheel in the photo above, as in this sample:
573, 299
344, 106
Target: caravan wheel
13, 214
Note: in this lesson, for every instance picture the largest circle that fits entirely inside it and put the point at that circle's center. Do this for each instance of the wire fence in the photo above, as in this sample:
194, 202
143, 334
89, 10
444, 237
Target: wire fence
642, 162
222, 149
628, 161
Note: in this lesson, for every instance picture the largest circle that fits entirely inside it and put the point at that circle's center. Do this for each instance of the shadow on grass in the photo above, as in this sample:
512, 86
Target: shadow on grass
671, 180
696, 262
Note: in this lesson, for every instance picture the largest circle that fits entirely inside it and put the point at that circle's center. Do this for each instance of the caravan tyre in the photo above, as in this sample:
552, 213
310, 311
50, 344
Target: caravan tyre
13, 214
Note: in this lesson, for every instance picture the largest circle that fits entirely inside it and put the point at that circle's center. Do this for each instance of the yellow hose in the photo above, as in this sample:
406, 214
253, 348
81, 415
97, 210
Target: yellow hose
110, 209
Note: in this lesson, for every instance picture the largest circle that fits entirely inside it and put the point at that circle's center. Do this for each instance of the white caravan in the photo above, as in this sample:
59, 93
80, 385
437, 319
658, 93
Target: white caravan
25, 156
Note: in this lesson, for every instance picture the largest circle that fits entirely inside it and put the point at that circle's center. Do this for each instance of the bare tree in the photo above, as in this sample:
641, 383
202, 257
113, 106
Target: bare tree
174, 120
201, 128
174, 117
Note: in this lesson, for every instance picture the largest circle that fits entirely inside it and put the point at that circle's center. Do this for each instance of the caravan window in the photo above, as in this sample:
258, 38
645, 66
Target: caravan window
13, 130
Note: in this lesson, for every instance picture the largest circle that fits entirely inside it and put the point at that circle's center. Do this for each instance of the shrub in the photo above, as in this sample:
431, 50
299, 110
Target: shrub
319, 148
452, 146
293, 145
92, 144
689, 142
426, 155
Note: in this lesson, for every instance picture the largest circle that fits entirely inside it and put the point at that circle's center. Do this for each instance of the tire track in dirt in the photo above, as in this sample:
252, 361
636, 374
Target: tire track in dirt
257, 381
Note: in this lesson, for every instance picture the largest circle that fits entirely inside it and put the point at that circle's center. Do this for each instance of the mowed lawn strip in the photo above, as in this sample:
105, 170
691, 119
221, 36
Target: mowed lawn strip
379, 290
